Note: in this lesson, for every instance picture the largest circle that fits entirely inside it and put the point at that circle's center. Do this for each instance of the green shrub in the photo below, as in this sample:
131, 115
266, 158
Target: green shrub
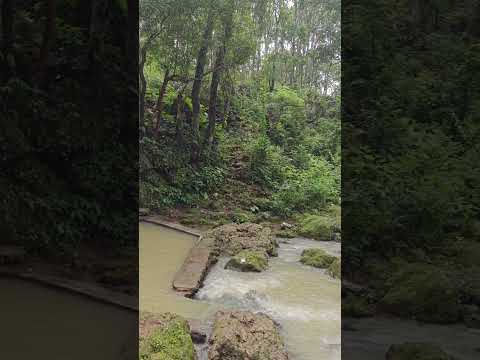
311, 189
267, 164
321, 226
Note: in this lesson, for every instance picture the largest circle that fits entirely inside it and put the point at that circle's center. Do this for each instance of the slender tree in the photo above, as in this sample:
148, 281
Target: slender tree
197, 84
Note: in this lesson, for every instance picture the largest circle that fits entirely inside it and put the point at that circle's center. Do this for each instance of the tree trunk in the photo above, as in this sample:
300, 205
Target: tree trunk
96, 45
179, 116
161, 95
8, 38
197, 84
49, 35
132, 40
142, 86
217, 74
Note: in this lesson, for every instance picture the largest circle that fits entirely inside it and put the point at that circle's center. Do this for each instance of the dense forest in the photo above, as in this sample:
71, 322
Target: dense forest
410, 150
68, 133
240, 111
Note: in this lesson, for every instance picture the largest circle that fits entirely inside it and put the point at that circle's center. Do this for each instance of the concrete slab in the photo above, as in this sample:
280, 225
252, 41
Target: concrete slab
189, 278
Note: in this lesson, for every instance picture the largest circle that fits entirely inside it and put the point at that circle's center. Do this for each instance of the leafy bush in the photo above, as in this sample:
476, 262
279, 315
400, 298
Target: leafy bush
321, 226
311, 189
267, 165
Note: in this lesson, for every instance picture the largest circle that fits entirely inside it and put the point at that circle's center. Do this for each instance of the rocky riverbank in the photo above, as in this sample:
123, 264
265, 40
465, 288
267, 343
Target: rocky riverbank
235, 335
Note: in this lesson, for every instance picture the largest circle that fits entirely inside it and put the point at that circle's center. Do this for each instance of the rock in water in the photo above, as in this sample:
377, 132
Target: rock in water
243, 335
317, 258
334, 269
417, 351
165, 336
230, 239
425, 292
248, 260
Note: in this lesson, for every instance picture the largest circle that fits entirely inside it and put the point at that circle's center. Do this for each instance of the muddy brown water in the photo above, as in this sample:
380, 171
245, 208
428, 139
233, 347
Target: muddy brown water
303, 300
48, 323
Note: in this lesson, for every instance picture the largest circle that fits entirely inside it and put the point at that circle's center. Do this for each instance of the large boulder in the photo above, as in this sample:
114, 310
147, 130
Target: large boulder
248, 260
317, 258
243, 335
416, 351
230, 239
165, 337
424, 292
356, 306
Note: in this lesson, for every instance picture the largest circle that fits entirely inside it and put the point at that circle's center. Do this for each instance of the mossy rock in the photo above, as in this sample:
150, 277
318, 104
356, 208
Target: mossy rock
248, 260
168, 339
423, 292
335, 268
317, 258
356, 307
417, 351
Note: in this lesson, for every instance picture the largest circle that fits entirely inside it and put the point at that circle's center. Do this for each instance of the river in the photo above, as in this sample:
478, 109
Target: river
303, 300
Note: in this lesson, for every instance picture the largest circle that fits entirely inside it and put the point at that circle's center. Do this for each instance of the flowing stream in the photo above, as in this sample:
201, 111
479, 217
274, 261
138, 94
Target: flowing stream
303, 300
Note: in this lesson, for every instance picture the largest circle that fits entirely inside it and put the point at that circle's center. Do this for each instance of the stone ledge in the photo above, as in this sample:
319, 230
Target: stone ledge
89, 290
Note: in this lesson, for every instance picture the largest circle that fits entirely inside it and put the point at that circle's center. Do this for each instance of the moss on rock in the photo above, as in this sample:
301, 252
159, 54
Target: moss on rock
248, 260
334, 269
317, 258
417, 351
424, 292
165, 337
357, 307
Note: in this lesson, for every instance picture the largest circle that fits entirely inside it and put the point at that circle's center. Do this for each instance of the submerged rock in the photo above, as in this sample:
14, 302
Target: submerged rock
243, 335
317, 258
248, 260
230, 239
165, 336
416, 351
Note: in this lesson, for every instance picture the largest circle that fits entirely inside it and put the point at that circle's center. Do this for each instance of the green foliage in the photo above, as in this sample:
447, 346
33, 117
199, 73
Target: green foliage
280, 140
169, 342
168, 180
411, 180
64, 137
267, 165
321, 226
311, 189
